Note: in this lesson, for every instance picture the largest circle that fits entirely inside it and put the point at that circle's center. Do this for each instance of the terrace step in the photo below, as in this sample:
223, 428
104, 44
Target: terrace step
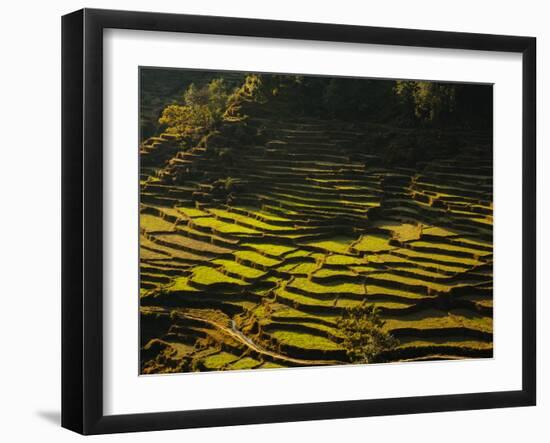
213, 254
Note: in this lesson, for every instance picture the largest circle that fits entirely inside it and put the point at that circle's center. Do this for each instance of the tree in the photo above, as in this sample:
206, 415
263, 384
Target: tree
186, 121
431, 102
202, 108
252, 91
364, 337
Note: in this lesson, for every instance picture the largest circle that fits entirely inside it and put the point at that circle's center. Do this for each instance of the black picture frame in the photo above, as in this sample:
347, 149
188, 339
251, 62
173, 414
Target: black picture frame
82, 218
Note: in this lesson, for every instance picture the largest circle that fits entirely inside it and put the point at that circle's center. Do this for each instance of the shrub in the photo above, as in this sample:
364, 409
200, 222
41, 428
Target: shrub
365, 340
430, 102
251, 91
202, 109
186, 121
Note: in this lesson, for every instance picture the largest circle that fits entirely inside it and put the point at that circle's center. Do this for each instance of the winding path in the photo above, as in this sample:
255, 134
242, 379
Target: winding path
240, 337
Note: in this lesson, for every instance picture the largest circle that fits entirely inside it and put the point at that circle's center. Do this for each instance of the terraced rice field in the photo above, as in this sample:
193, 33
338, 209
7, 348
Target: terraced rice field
259, 279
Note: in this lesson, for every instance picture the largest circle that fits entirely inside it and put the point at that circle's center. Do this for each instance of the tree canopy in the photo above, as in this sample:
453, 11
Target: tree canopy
365, 340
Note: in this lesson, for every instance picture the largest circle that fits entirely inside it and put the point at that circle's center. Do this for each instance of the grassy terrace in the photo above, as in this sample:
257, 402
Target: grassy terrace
243, 220
338, 245
268, 249
304, 341
256, 259
153, 223
450, 248
436, 258
372, 243
435, 319
221, 227
307, 286
233, 268
312, 303
207, 276
260, 279
324, 302
178, 241
219, 361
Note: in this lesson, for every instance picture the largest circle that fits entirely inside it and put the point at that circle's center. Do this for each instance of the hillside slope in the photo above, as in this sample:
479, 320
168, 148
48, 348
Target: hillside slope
256, 275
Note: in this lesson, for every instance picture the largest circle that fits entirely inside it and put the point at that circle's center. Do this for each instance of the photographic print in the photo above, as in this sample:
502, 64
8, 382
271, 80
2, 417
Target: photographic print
293, 220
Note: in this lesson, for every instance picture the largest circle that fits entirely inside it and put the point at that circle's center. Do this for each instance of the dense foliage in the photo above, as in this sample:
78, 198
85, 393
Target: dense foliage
274, 208
199, 112
402, 103
215, 114
364, 337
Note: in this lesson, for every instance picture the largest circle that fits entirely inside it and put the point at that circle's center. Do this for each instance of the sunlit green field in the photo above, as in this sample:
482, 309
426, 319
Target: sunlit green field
259, 280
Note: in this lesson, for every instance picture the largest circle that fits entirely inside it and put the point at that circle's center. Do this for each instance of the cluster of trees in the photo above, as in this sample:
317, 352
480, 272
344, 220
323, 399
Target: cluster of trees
446, 104
365, 339
200, 110
215, 113
401, 103
213, 116
208, 112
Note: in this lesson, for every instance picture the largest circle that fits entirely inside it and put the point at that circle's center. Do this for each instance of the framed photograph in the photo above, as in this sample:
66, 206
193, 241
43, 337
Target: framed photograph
269, 221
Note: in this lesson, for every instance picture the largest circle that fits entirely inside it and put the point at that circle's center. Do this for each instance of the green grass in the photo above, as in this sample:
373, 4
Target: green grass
268, 216
237, 268
292, 297
408, 281
437, 231
460, 262
381, 290
244, 363
154, 223
287, 268
421, 272
363, 269
191, 212
278, 209
207, 237
338, 259
205, 275
450, 247
255, 257
298, 253
181, 284
315, 288
218, 361
270, 249
325, 273
271, 365
372, 243
330, 330
434, 319
384, 258
305, 341
461, 342
197, 246
243, 219
302, 268
147, 254
147, 244
389, 259
172, 212
322, 251
401, 231
282, 311
339, 245
223, 227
